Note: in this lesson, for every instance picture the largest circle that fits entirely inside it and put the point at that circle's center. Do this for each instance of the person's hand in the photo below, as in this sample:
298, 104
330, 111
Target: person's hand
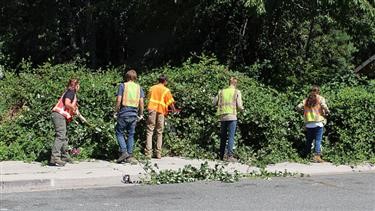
139, 118
115, 115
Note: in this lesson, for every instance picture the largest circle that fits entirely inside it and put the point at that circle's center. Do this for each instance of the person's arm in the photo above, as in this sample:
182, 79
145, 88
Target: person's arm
169, 101
239, 101
69, 104
300, 106
119, 97
118, 103
215, 100
173, 108
68, 98
324, 106
141, 104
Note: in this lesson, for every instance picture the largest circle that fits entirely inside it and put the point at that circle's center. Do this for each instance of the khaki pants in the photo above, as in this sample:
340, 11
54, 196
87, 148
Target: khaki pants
155, 120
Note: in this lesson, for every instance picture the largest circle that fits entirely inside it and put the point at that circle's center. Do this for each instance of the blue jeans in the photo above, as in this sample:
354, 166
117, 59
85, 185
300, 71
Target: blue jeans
312, 134
127, 124
227, 132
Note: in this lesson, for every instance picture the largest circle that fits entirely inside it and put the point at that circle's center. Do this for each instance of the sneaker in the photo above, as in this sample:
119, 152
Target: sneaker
317, 159
131, 160
57, 162
123, 157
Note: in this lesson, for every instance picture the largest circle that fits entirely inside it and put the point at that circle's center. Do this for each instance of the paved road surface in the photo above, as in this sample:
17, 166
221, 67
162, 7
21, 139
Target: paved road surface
334, 192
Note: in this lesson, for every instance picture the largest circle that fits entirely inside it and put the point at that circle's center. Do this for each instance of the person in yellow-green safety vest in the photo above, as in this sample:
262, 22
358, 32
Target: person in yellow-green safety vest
315, 110
228, 102
129, 109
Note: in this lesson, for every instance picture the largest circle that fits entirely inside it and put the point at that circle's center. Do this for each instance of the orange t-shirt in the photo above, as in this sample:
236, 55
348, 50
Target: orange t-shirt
160, 97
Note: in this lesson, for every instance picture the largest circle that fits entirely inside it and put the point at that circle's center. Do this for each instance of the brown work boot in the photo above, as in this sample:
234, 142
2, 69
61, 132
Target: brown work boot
67, 159
57, 162
158, 155
225, 157
318, 159
123, 157
148, 154
131, 160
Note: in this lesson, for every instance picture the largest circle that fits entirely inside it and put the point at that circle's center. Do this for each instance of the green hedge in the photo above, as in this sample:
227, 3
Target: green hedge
351, 127
269, 129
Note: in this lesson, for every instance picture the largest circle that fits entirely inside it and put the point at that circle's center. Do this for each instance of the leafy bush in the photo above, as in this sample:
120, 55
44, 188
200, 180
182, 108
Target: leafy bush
30, 134
269, 129
350, 130
263, 127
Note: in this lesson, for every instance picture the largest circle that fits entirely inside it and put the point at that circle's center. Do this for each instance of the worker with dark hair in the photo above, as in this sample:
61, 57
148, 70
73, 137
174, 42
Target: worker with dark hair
159, 99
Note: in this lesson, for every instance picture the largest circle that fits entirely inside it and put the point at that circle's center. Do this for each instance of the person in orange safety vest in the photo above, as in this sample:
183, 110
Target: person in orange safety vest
159, 99
63, 113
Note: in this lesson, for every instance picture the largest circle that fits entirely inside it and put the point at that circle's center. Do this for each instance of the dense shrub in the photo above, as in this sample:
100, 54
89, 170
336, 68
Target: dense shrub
269, 129
263, 126
29, 134
350, 131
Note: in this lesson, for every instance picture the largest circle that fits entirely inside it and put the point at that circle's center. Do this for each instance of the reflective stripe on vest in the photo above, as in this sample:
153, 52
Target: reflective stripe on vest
156, 101
64, 111
131, 95
227, 102
313, 114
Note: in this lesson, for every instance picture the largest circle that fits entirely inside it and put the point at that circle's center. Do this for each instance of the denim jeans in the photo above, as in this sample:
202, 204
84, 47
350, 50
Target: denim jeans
227, 132
312, 134
127, 124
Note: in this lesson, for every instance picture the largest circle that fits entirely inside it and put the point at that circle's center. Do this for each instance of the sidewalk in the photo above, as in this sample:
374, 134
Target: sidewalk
17, 176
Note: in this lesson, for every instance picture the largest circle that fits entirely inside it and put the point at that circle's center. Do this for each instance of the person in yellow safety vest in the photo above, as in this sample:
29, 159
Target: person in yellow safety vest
315, 110
159, 99
63, 113
129, 104
228, 101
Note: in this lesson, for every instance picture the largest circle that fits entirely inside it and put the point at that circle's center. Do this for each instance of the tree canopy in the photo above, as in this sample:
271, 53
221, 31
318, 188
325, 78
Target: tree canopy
284, 39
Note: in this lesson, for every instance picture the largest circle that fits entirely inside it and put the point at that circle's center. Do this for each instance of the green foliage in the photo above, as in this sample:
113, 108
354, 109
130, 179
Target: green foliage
190, 174
29, 134
204, 173
269, 130
350, 131
306, 44
264, 126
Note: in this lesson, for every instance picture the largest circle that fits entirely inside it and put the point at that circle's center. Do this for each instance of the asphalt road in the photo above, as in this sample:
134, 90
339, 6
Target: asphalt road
334, 192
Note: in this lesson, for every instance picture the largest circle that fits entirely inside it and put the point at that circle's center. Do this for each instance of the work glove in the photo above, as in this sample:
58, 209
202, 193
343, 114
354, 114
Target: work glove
139, 118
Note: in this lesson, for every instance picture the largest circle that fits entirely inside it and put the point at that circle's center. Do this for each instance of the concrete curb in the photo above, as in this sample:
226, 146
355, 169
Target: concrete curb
58, 184
17, 176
